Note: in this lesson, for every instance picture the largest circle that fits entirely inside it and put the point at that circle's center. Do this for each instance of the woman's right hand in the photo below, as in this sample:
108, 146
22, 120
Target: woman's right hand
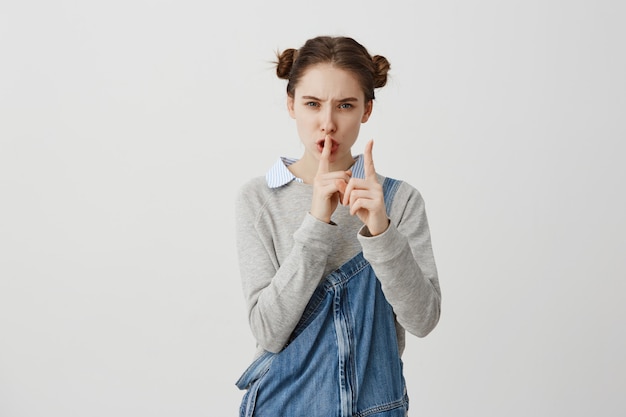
328, 187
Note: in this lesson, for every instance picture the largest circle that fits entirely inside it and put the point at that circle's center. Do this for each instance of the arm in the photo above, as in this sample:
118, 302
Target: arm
398, 249
276, 293
403, 260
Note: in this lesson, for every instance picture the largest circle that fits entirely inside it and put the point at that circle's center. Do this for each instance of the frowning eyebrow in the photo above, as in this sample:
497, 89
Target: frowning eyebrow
343, 100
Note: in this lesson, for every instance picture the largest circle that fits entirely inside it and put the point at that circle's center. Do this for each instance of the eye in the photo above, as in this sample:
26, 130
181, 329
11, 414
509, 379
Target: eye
345, 106
311, 104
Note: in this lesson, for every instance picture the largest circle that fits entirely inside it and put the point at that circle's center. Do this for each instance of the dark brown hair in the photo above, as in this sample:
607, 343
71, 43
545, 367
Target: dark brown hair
342, 52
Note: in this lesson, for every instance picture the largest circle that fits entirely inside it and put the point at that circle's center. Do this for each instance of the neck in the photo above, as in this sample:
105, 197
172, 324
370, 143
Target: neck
306, 167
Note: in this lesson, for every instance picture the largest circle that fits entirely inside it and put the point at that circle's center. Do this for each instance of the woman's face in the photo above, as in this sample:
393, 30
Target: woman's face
329, 101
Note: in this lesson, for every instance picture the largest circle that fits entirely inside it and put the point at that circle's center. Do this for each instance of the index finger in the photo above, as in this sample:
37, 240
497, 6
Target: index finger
368, 161
324, 165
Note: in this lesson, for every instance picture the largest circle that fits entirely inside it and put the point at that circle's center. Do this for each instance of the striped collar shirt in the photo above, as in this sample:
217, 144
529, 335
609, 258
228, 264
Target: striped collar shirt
279, 175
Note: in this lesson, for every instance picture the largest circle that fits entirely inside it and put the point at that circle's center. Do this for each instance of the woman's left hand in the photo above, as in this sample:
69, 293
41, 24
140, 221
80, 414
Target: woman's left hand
365, 196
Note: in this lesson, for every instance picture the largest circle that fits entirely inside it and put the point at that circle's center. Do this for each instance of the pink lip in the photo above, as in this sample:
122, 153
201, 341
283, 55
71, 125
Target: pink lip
333, 148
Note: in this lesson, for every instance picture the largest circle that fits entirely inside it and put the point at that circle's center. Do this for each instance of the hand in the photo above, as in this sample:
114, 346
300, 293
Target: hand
365, 196
328, 187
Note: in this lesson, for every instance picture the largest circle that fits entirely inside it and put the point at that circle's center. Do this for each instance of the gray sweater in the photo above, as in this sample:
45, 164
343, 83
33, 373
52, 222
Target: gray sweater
284, 253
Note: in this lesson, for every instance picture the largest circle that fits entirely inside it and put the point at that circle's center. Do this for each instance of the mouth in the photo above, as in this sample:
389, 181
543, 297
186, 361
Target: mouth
333, 147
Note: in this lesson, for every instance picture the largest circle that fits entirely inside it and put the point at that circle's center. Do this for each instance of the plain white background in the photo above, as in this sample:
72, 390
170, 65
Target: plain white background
127, 126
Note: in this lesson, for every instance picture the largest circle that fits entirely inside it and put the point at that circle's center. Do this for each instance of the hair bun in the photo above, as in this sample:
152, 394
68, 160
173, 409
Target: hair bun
381, 68
285, 63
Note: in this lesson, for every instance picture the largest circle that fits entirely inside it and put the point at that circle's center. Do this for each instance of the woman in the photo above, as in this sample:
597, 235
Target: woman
335, 259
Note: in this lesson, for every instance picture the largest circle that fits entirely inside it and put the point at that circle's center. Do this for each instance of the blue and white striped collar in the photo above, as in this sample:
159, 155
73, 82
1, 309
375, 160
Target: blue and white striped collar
279, 175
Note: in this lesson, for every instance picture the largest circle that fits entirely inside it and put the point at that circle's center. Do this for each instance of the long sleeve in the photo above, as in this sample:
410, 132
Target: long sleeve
403, 260
277, 286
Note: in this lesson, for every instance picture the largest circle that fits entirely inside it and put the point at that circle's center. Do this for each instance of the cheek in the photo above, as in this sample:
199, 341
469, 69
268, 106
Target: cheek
355, 124
307, 121
305, 125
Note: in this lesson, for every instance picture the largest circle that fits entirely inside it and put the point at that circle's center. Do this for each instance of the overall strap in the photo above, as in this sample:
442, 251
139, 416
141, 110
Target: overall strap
390, 186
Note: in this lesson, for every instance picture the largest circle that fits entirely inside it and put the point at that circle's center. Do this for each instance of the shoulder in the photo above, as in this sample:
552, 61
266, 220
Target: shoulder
403, 189
251, 196
254, 189
256, 194
253, 185
406, 198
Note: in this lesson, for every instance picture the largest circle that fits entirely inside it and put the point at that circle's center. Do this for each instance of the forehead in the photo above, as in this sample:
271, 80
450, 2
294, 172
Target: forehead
326, 81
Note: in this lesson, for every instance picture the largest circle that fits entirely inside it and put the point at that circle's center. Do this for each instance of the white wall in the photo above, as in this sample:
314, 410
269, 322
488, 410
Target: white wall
126, 127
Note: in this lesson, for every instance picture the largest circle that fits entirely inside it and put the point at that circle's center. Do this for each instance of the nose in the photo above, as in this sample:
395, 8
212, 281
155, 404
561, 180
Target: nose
327, 121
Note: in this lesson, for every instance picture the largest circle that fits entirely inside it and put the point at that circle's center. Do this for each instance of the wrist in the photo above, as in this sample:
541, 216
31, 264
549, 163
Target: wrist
378, 228
322, 218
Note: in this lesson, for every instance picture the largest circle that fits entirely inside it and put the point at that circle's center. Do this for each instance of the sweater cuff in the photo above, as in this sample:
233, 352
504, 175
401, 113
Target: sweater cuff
315, 233
382, 247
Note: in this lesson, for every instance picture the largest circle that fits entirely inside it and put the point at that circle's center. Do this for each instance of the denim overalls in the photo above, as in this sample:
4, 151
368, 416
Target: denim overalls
342, 359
